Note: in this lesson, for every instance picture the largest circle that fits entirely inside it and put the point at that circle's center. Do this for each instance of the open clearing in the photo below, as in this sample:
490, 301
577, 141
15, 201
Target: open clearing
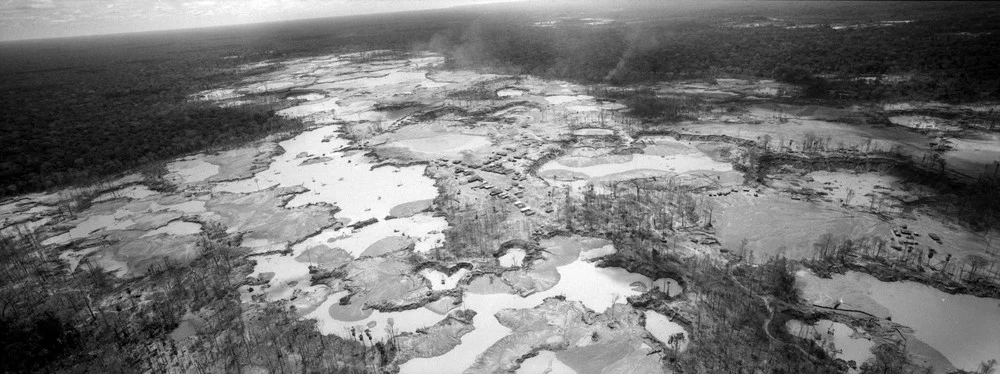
776, 226
446, 144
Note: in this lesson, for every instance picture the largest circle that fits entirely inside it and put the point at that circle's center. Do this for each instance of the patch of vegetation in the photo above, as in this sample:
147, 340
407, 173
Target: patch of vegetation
57, 321
644, 103
479, 230
734, 330
813, 87
153, 176
641, 209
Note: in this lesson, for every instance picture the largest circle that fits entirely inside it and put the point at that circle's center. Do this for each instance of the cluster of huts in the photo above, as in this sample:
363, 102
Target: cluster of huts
466, 174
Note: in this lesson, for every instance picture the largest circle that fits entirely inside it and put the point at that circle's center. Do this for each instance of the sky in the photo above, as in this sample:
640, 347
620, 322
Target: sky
35, 19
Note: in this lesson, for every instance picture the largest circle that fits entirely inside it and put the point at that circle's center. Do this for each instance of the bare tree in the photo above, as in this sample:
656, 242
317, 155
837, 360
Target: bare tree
766, 141
977, 262
675, 341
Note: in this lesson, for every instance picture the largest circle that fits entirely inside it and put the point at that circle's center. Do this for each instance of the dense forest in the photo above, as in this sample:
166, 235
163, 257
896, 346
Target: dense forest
922, 53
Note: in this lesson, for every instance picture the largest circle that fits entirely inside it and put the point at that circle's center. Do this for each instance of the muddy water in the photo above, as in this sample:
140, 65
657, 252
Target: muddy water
604, 167
445, 144
773, 225
373, 192
963, 328
596, 287
917, 122
545, 362
327, 314
563, 99
594, 132
836, 338
974, 156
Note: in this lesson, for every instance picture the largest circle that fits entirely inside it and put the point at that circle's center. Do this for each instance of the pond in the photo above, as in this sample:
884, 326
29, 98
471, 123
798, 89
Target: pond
964, 329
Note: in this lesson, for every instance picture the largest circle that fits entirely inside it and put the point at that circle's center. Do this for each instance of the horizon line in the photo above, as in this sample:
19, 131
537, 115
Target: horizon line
4, 40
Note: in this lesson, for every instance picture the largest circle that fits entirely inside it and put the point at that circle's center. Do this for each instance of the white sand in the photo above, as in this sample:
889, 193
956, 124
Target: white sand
424, 228
130, 192
190, 207
563, 99
272, 86
219, 94
662, 328
513, 257
439, 281
445, 144
313, 96
682, 163
594, 132
286, 271
396, 78
73, 258
583, 108
346, 181
597, 252
405, 321
920, 122
191, 170
974, 156
176, 228
510, 92
310, 108
90, 225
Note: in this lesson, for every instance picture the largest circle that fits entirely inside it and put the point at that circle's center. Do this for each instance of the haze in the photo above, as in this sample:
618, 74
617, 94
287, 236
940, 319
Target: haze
37, 19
